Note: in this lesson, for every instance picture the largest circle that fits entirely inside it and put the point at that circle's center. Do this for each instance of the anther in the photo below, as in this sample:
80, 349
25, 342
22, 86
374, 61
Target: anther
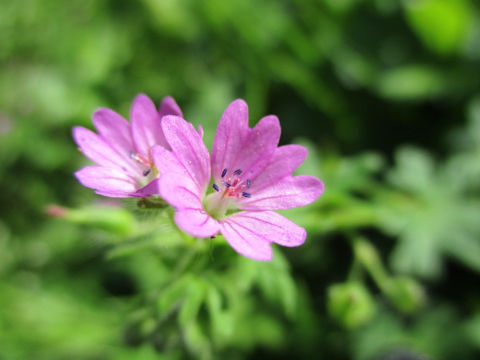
237, 172
249, 183
224, 172
247, 195
215, 186
227, 184
132, 155
146, 172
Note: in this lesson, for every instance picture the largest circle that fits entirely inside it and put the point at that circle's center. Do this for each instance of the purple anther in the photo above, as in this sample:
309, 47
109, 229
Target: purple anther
247, 195
215, 187
227, 184
146, 172
249, 183
132, 155
224, 172
237, 172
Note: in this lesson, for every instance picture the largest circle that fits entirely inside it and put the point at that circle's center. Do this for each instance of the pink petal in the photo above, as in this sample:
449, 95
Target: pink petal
232, 131
106, 180
284, 162
196, 222
115, 131
166, 161
97, 150
145, 122
270, 227
188, 147
169, 107
288, 193
152, 188
200, 130
258, 149
244, 240
113, 194
179, 191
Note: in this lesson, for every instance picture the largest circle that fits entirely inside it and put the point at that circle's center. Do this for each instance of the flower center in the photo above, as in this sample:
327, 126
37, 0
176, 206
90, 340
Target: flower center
149, 171
232, 187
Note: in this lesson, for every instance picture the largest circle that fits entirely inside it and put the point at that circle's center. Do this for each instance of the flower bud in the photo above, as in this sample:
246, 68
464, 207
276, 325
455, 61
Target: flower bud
114, 220
405, 294
351, 304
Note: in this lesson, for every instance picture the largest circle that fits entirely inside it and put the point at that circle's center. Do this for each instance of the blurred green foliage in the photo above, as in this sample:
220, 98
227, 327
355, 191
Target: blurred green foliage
384, 93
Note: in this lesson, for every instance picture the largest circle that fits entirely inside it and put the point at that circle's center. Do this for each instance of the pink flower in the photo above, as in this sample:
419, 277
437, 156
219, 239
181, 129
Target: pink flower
251, 177
122, 150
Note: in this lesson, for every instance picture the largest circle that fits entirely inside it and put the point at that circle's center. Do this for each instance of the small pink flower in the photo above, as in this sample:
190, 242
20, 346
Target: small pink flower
122, 150
251, 177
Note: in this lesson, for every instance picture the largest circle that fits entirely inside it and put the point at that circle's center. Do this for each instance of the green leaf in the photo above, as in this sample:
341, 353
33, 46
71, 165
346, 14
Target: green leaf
197, 342
171, 297
193, 301
414, 170
442, 25
114, 220
466, 248
221, 321
276, 283
411, 82
431, 212
472, 329
417, 254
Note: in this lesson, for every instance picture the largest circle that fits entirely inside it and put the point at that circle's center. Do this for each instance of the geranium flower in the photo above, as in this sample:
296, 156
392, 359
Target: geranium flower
250, 175
122, 150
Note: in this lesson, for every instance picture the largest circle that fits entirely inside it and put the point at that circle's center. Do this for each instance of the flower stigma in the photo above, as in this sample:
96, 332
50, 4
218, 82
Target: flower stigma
224, 198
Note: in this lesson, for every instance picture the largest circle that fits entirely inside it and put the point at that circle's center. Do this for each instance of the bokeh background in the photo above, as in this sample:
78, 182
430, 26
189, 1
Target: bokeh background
384, 93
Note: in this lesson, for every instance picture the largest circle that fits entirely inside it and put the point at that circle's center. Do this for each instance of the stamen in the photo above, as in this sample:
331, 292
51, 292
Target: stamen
233, 186
146, 172
142, 161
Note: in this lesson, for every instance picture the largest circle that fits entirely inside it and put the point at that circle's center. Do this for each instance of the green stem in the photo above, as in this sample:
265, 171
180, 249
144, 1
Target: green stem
182, 265
355, 273
368, 256
151, 204
179, 270
187, 238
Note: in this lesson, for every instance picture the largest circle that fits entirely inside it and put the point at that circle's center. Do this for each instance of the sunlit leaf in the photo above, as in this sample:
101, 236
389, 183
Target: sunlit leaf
441, 25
